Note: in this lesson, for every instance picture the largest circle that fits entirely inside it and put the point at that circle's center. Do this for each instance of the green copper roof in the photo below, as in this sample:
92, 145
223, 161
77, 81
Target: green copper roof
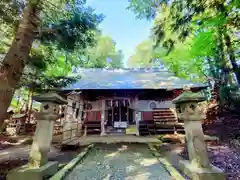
188, 96
50, 97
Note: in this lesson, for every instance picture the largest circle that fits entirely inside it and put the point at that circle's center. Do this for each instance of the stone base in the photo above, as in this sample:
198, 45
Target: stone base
25, 173
196, 173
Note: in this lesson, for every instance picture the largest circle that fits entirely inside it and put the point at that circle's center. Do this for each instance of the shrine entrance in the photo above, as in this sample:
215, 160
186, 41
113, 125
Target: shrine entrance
119, 115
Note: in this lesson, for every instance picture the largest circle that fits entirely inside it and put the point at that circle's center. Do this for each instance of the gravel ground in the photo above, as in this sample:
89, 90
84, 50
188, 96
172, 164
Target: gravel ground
119, 162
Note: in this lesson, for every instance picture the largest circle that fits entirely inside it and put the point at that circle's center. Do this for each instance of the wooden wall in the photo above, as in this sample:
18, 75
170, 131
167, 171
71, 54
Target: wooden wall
93, 116
147, 115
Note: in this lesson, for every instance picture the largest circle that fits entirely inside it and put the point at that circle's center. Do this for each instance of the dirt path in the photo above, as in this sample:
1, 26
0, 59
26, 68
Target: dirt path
119, 162
20, 151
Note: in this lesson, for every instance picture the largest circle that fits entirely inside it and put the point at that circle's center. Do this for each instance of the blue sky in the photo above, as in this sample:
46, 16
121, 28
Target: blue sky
121, 24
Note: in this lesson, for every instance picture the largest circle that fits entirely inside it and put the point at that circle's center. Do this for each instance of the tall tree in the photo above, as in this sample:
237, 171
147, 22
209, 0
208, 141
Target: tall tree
104, 54
143, 55
176, 20
73, 31
198, 35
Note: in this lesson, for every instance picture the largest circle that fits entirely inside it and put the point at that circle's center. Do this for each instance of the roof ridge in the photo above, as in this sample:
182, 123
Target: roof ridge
153, 69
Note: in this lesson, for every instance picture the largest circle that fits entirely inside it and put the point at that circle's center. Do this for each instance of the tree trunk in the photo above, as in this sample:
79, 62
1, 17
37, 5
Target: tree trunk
12, 66
211, 68
221, 61
5, 100
232, 58
221, 7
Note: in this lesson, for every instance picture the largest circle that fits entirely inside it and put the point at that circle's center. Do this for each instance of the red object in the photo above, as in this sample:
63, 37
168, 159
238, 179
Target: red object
93, 116
176, 93
147, 115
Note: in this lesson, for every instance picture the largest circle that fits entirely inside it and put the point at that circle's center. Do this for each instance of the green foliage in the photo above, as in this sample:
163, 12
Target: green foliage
103, 54
192, 32
203, 44
68, 37
143, 55
75, 30
66, 31
10, 11
144, 8
230, 96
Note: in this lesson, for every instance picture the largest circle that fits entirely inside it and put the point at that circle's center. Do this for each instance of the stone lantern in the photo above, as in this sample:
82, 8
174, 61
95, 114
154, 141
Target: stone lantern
192, 112
39, 167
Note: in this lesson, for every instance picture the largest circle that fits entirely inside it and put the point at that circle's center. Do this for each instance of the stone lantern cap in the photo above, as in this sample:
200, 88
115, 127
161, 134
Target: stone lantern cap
188, 96
50, 97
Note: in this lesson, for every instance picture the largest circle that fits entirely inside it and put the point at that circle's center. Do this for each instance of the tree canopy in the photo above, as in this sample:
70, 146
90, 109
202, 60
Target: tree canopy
196, 40
104, 54
59, 36
64, 28
194, 25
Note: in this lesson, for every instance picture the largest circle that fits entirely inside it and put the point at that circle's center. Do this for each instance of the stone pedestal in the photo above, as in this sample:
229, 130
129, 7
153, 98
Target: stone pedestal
200, 173
198, 167
39, 168
26, 173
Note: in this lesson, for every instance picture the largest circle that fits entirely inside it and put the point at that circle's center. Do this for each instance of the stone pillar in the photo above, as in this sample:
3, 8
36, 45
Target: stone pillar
38, 166
103, 117
190, 111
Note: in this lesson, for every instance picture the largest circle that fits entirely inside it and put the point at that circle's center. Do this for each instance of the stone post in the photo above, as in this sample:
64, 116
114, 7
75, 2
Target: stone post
103, 117
39, 167
190, 111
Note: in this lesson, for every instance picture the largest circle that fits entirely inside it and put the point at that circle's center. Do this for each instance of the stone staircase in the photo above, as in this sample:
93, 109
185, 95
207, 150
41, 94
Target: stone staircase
93, 127
163, 121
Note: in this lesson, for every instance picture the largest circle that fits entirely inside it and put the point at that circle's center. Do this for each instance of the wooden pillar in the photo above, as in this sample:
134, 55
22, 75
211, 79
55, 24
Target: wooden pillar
79, 106
103, 117
67, 125
120, 112
137, 115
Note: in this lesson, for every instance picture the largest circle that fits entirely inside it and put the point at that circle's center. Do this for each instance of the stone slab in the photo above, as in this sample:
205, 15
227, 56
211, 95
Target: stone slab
172, 170
66, 169
195, 173
86, 140
25, 173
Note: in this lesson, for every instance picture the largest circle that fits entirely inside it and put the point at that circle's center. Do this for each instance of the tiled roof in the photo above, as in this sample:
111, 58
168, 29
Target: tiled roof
140, 78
